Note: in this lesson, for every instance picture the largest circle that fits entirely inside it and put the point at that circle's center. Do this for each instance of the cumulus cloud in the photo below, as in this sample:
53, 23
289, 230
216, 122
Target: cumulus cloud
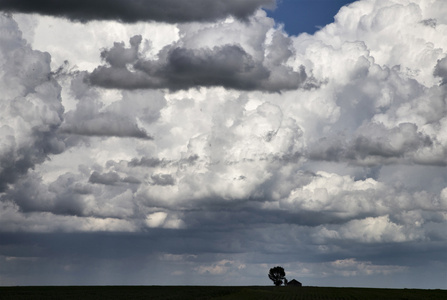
369, 230
171, 11
183, 142
30, 103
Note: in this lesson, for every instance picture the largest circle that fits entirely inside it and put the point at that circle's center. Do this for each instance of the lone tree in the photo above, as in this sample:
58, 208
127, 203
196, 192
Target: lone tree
277, 275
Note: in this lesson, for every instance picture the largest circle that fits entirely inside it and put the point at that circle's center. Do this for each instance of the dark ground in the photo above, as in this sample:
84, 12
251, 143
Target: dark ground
216, 292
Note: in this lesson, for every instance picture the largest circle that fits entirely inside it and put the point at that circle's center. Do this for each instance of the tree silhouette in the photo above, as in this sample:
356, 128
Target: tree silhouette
277, 275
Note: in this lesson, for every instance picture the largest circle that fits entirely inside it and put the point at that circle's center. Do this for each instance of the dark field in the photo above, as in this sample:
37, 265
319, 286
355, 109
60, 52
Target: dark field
217, 292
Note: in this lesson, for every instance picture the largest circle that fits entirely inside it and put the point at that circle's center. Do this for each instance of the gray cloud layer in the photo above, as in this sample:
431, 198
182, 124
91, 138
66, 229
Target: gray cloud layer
171, 11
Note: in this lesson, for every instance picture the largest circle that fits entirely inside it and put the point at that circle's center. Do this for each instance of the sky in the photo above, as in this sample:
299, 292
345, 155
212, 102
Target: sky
299, 16
199, 142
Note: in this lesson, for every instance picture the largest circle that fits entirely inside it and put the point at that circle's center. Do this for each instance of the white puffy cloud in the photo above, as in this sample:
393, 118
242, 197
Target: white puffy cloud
338, 194
162, 219
370, 230
82, 50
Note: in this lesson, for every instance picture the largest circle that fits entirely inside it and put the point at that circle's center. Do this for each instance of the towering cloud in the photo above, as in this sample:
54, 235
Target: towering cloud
30, 104
228, 147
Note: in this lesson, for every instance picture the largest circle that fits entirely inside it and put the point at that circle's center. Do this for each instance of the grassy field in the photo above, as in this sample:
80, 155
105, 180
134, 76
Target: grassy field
217, 292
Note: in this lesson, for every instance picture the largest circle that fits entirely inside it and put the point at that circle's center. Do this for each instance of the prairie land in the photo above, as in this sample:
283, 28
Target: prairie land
216, 293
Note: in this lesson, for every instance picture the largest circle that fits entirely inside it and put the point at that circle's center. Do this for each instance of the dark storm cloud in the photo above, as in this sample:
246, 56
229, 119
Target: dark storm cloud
15, 164
179, 68
171, 11
79, 259
61, 197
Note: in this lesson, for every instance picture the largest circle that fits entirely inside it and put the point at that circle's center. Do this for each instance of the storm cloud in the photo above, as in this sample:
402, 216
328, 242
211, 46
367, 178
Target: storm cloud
212, 151
229, 66
171, 11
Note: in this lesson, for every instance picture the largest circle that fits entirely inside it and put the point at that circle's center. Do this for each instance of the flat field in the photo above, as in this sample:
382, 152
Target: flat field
216, 292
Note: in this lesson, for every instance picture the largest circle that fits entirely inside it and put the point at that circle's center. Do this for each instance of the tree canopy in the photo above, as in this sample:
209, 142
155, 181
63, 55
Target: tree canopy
277, 275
